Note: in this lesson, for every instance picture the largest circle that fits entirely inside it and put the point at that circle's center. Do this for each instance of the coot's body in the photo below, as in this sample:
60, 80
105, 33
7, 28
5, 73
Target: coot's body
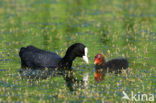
37, 59
32, 57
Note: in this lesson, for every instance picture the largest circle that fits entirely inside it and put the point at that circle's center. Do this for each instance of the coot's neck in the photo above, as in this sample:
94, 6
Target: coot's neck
66, 61
103, 62
101, 65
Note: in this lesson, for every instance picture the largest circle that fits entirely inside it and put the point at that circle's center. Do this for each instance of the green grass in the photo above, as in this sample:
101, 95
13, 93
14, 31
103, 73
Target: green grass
118, 28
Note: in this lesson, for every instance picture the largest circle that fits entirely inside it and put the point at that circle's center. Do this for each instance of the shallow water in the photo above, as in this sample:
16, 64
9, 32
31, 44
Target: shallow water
117, 28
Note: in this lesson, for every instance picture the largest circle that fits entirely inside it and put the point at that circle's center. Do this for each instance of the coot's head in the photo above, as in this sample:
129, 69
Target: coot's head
77, 50
99, 59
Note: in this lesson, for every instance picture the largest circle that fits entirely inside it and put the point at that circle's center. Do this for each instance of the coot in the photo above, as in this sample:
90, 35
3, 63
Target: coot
37, 59
112, 66
34, 58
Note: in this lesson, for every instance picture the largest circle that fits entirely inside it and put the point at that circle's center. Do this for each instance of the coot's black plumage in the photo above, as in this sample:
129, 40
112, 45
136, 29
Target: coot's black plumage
112, 66
36, 59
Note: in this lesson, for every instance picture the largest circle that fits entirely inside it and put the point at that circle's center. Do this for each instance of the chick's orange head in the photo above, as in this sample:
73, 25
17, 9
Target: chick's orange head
99, 59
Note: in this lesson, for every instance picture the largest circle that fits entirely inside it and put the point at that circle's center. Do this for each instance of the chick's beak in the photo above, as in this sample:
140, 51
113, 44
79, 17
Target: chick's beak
96, 61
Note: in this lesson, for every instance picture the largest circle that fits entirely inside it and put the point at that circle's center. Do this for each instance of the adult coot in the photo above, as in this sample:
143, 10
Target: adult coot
113, 66
37, 59
34, 58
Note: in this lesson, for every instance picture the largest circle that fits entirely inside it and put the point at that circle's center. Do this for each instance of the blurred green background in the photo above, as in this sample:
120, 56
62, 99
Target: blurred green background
118, 28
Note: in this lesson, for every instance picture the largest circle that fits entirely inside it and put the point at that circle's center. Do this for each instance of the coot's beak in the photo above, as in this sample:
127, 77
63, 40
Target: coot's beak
85, 58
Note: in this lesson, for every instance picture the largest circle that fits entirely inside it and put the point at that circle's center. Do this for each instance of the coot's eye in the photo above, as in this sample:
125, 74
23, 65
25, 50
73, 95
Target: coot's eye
99, 57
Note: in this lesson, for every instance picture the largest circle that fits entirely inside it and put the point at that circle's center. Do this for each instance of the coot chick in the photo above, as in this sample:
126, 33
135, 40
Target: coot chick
112, 66
37, 59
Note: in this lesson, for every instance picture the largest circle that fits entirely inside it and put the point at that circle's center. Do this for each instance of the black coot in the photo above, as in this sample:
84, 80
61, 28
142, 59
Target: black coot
34, 58
37, 59
112, 66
